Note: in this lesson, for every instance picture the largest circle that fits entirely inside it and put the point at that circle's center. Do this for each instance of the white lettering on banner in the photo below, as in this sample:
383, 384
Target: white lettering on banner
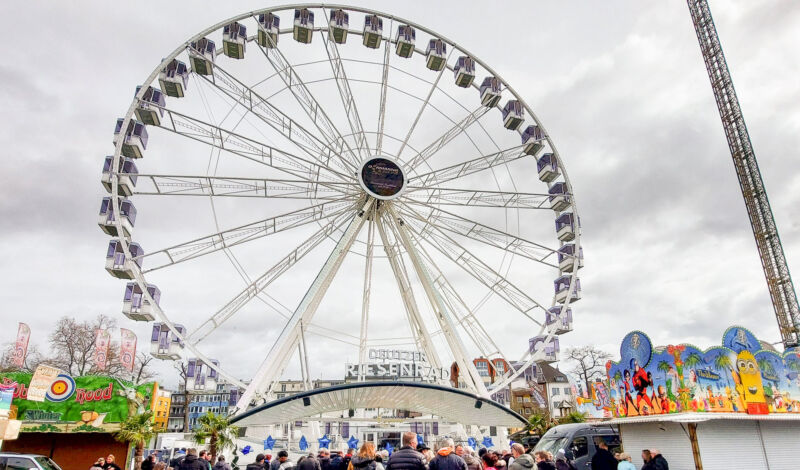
399, 370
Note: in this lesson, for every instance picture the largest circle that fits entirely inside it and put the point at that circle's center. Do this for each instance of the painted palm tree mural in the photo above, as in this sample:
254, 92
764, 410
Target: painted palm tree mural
723, 364
664, 367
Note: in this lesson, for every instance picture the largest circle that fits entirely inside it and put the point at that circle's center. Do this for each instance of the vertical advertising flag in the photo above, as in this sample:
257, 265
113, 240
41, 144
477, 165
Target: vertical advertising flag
101, 342
127, 348
42, 378
21, 346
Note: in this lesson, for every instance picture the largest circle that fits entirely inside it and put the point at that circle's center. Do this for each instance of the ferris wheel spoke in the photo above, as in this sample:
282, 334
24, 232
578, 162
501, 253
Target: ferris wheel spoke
419, 330
263, 281
183, 185
276, 359
460, 127
479, 232
476, 268
467, 197
214, 242
441, 312
468, 167
424, 105
362, 343
236, 144
306, 100
261, 108
465, 316
348, 101
384, 89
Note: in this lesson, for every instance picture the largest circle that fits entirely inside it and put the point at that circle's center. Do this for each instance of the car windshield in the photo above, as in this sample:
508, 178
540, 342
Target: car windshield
551, 443
46, 463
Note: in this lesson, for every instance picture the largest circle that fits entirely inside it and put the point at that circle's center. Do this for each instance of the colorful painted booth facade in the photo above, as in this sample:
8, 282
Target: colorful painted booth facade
743, 375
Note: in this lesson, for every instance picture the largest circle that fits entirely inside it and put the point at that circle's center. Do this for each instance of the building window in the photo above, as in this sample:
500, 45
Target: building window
519, 399
556, 391
526, 399
483, 368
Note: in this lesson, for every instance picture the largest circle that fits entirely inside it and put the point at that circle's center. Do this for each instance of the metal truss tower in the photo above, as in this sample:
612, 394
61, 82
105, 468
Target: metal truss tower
776, 270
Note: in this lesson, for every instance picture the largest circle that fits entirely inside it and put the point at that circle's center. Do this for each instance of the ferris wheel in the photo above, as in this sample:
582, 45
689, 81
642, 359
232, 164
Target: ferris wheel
288, 150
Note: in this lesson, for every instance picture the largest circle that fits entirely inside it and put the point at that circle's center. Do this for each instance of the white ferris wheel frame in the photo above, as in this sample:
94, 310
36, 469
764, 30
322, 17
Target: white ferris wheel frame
387, 228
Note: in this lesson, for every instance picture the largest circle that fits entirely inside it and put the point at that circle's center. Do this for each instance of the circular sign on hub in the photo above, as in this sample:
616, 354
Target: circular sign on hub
382, 178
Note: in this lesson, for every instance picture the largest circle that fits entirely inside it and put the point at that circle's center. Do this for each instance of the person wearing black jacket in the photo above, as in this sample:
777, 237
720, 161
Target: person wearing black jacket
324, 459
258, 464
192, 461
658, 462
406, 458
446, 458
110, 465
149, 462
603, 459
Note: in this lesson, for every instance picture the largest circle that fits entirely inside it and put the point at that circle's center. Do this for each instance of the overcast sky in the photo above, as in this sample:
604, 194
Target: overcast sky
621, 88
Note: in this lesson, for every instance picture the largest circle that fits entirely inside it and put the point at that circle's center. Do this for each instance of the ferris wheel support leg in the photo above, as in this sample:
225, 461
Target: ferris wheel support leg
278, 356
362, 339
421, 334
473, 379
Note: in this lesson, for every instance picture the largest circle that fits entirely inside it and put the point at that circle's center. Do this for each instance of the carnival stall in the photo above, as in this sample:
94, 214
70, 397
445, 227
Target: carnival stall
703, 409
70, 419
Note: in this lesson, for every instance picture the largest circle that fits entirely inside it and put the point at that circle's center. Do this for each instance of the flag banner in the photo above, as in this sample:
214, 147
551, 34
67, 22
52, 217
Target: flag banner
101, 342
41, 381
21, 346
127, 349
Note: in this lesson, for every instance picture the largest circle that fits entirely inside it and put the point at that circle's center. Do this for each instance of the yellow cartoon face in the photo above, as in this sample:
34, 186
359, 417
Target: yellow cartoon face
750, 375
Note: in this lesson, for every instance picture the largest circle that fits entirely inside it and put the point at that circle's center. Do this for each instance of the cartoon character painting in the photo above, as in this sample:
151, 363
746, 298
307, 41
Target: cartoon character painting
750, 386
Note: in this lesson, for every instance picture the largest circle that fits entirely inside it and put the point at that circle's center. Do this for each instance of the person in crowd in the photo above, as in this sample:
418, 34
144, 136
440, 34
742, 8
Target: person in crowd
109, 464
647, 458
521, 460
258, 464
659, 462
192, 461
336, 460
460, 451
603, 459
98, 464
446, 458
562, 462
309, 463
223, 465
324, 458
160, 466
407, 457
544, 460
177, 459
206, 457
365, 458
384, 455
348, 455
489, 460
149, 462
625, 462
283, 457
506, 457
501, 464
517, 449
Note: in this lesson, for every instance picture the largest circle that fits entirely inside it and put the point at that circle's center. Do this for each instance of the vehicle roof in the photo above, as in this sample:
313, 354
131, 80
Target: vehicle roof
567, 429
17, 454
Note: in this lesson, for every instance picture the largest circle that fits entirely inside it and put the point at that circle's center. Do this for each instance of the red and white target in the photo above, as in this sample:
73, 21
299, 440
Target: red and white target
61, 389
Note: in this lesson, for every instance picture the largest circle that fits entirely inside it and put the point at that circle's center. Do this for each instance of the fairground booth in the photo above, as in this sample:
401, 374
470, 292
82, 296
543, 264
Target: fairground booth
73, 419
703, 409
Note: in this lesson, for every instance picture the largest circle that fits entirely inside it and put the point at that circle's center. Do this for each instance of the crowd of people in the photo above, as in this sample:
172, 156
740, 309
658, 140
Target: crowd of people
410, 456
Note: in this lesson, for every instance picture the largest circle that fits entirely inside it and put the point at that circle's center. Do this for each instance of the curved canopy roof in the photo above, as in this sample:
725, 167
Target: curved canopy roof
448, 403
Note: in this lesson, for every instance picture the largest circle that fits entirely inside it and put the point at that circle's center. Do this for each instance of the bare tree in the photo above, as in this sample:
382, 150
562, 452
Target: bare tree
181, 368
72, 348
590, 363
32, 359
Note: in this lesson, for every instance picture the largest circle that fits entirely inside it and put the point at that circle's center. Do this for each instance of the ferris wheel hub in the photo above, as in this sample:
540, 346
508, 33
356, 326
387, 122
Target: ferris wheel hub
382, 177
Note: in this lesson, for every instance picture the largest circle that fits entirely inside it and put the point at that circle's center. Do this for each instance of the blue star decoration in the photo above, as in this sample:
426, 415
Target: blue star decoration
352, 442
303, 443
324, 442
246, 450
269, 442
472, 442
420, 440
487, 442
389, 448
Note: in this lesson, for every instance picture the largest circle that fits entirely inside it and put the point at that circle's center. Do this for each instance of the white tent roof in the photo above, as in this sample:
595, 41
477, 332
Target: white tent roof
445, 402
